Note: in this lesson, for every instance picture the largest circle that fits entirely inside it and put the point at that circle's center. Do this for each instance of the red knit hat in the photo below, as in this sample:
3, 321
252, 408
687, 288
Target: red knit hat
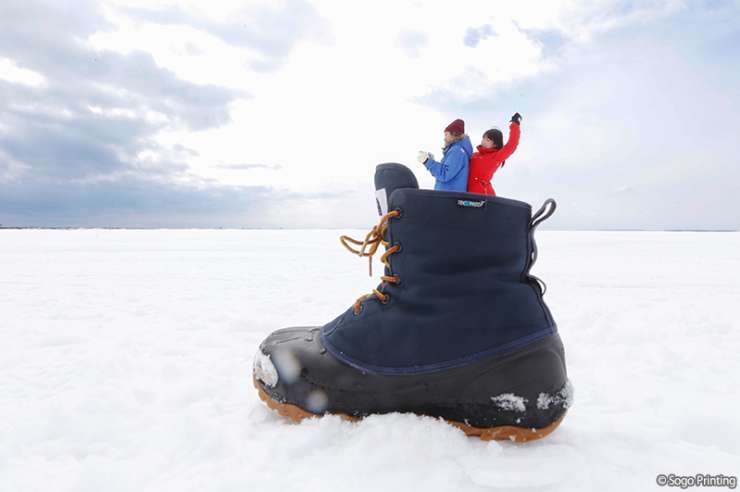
457, 127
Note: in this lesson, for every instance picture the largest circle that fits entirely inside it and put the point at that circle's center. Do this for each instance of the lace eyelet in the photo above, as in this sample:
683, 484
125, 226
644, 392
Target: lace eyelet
400, 213
386, 299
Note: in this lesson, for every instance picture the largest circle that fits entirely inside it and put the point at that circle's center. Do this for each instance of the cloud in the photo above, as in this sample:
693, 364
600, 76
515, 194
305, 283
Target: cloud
82, 145
474, 35
10, 72
247, 167
270, 30
128, 201
411, 42
551, 41
137, 201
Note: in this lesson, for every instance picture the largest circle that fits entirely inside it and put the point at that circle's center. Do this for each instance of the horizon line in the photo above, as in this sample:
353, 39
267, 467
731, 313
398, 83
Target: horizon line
215, 228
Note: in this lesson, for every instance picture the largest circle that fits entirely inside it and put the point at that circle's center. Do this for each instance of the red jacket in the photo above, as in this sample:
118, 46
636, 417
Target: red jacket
485, 162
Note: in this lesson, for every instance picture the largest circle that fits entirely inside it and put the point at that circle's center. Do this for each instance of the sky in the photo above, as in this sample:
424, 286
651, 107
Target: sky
274, 114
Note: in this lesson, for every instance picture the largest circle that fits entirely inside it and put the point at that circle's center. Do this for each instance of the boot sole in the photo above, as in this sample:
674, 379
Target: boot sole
501, 433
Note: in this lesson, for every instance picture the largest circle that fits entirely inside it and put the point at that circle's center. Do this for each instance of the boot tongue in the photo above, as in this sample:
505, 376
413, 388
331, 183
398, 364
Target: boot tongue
390, 177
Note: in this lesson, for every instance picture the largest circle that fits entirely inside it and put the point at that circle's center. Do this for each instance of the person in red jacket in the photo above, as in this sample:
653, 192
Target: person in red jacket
491, 155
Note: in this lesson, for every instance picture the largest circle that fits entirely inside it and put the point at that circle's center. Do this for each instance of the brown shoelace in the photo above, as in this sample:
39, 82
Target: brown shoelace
368, 247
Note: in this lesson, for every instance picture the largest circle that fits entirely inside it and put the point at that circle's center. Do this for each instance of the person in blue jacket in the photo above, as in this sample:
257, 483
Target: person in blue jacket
452, 173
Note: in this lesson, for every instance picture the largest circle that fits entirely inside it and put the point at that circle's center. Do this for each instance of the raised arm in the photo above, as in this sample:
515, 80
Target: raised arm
512, 143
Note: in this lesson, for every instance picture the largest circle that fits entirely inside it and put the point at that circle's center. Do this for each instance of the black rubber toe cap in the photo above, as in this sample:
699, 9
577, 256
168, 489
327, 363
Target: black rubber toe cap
290, 365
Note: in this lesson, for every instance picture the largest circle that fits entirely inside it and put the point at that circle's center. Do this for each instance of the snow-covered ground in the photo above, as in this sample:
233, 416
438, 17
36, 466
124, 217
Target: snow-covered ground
125, 361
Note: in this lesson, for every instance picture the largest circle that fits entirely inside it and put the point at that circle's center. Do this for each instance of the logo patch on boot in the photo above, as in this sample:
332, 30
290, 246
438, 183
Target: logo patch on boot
471, 203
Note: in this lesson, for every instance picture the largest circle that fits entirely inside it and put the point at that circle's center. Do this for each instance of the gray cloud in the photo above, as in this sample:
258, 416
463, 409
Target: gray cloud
50, 38
128, 201
80, 149
551, 41
248, 167
474, 35
272, 31
411, 42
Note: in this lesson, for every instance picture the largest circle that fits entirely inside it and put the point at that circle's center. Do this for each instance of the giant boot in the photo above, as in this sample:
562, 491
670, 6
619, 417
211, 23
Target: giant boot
457, 329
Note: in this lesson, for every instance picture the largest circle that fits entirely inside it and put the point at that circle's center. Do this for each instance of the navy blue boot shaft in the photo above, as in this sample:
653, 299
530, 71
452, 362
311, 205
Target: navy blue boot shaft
464, 290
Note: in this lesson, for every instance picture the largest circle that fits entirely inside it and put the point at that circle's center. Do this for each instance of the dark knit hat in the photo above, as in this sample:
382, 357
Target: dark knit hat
457, 127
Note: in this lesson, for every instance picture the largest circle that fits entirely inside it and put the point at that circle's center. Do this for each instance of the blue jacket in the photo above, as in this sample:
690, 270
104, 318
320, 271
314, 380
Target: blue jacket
452, 172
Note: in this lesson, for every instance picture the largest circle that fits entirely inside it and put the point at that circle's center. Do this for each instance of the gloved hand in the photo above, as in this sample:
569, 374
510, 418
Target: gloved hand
423, 156
517, 118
